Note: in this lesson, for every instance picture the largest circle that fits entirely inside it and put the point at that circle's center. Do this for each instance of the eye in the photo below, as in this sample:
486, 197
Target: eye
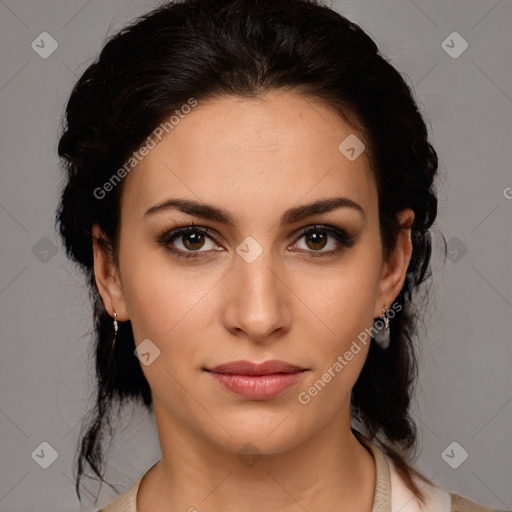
317, 238
193, 241
184, 242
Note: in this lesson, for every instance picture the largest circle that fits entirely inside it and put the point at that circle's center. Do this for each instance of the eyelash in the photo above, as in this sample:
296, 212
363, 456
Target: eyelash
167, 237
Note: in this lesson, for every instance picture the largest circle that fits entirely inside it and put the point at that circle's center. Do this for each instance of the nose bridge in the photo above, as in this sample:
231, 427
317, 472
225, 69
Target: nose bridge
258, 303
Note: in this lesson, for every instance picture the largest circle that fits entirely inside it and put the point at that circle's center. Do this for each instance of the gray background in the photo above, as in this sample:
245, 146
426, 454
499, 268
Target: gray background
465, 392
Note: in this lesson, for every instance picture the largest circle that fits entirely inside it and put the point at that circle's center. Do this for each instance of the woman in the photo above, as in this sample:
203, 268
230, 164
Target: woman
250, 192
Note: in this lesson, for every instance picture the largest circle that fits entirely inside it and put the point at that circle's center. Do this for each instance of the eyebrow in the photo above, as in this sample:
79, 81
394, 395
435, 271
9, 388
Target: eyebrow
291, 216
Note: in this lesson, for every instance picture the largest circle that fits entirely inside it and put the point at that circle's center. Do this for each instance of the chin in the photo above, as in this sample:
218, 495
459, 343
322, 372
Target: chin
267, 434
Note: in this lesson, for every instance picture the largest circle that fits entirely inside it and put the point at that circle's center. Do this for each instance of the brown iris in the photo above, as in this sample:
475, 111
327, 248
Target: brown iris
319, 240
193, 241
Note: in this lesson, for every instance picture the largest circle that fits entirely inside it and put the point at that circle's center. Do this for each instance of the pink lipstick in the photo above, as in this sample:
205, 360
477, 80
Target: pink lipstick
257, 381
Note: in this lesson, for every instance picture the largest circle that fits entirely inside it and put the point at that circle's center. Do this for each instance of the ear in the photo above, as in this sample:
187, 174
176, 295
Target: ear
394, 269
107, 276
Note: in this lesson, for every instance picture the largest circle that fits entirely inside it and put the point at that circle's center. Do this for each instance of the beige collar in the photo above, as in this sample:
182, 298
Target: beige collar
391, 492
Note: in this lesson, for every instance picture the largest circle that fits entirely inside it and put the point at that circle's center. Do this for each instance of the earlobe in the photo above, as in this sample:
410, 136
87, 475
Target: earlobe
395, 269
107, 276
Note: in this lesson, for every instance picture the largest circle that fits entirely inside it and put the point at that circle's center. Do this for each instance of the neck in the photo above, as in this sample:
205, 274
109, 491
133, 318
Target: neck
331, 470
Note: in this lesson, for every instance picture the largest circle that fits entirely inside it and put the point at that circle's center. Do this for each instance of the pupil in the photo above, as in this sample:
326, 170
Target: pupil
318, 240
191, 239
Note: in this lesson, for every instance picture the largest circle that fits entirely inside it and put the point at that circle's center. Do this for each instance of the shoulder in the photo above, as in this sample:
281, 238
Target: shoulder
126, 502
461, 504
437, 499
404, 500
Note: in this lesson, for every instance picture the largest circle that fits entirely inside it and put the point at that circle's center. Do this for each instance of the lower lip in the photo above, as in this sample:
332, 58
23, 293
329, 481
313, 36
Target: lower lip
257, 387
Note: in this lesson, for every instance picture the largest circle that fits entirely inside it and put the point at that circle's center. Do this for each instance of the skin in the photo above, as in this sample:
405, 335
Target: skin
254, 158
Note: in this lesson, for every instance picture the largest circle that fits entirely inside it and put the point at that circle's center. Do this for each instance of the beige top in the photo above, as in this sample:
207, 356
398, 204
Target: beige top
391, 494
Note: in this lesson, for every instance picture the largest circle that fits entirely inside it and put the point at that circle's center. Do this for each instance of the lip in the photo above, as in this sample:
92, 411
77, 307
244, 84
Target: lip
247, 368
257, 381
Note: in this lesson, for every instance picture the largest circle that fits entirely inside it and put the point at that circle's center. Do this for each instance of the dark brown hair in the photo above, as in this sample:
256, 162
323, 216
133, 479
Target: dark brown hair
210, 48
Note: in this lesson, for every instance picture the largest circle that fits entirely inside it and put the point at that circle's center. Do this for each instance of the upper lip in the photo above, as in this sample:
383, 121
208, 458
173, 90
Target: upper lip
248, 368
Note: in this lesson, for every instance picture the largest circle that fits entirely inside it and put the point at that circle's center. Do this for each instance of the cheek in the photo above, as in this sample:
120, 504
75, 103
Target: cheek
344, 304
160, 300
171, 305
168, 307
344, 298
340, 353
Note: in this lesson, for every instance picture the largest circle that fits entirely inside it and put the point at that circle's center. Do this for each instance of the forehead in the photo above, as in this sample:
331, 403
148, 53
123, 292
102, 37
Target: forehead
254, 154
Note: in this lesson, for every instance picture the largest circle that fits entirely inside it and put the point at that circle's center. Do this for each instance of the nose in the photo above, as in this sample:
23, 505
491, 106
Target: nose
257, 300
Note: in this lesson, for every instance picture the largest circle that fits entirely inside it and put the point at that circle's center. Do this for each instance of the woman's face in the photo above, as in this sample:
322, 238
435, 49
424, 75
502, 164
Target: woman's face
255, 289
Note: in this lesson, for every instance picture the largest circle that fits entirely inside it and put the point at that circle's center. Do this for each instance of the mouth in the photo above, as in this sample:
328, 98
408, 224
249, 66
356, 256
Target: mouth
256, 381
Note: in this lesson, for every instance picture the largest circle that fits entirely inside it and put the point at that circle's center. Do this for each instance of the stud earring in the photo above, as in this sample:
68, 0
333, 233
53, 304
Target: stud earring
382, 336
